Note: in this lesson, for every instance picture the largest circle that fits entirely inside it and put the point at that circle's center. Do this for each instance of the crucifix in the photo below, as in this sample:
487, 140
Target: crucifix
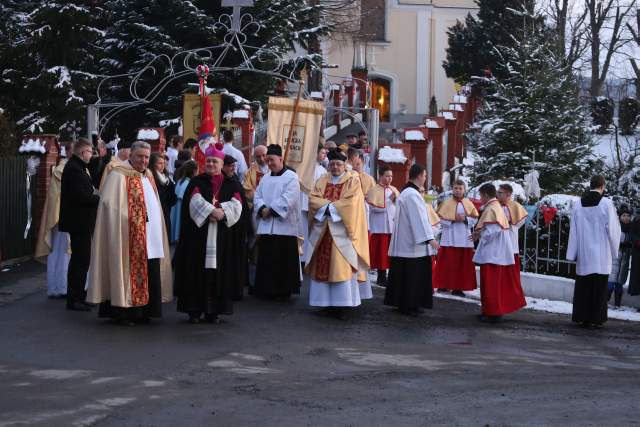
236, 5
228, 125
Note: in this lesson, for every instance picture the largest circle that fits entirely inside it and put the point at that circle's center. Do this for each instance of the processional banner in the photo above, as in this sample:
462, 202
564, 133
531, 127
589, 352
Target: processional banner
303, 146
191, 110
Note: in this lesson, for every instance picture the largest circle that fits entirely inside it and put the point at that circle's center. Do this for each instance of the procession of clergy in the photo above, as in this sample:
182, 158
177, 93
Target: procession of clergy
346, 226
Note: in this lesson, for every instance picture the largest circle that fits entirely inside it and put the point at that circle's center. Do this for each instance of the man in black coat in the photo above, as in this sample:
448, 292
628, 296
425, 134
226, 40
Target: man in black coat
78, 208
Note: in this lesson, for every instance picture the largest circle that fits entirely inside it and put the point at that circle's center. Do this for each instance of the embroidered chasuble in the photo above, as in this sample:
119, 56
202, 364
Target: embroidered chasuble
340, 241
251, 180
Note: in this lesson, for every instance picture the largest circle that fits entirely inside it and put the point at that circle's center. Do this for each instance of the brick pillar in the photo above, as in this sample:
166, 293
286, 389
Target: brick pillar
361, 77
418, 147
336, 92
452, 132
350, 91
436, 135
155, 137
41, 180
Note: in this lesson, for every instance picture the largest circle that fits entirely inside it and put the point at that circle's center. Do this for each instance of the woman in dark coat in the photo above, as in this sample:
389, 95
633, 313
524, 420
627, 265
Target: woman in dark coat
620, 264
166, 187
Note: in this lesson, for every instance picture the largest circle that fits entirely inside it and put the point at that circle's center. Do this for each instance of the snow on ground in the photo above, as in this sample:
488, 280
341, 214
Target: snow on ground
549, 306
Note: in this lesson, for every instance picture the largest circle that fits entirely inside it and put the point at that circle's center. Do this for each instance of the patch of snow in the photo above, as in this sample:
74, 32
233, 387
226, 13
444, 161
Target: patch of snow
432, 124
391, 155
240, 114
32, 146
456, 107
169, 122
448, 115
316, 95
549, 306
414, 135
563, 202
148, 134
460, 98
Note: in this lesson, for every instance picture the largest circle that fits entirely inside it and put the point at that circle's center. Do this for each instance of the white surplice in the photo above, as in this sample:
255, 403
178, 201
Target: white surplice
594, 237
513, 230
282, 195
495, 246
199, 211
381, 219
154, 221
411, 229
241, 163
457, 234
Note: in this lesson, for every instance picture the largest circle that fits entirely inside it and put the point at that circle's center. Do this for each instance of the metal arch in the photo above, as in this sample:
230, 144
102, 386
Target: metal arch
184, 63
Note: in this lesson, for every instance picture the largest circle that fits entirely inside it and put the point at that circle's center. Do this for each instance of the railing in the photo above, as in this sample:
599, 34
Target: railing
543, 248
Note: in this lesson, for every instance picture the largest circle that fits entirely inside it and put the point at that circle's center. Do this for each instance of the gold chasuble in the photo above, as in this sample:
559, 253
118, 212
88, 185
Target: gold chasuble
447, 209
492, 213
251, 180
118, 269
340, 249
434, 219
376, 195
50, 212
115, 161
367, 182
517, 212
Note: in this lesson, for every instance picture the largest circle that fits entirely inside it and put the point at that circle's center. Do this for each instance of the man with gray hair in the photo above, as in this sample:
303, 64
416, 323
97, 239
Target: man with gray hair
130, 273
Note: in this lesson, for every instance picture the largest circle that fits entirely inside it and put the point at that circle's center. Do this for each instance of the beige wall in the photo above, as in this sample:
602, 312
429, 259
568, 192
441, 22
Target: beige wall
412, 60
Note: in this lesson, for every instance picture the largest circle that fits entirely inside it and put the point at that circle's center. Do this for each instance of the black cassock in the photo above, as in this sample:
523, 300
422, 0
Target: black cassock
200, 290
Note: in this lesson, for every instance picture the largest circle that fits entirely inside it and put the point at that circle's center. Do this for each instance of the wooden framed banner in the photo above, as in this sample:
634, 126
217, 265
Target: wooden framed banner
191, 106
303, 146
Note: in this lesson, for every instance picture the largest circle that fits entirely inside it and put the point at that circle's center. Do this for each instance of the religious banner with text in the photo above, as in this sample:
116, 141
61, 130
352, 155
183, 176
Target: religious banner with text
303, 146
191, 107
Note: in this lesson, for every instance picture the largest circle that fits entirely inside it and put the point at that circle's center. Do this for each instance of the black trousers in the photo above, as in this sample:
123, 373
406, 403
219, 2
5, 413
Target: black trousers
590, 296
153, 307
78, 266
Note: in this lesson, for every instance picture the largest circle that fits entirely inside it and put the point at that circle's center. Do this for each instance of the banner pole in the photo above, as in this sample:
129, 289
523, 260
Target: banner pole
296, 108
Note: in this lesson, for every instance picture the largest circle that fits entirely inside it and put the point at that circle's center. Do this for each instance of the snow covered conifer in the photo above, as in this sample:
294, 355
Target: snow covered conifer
530, 117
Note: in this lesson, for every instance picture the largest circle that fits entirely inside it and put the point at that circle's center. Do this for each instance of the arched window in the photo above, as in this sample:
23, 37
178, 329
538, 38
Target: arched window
381, 97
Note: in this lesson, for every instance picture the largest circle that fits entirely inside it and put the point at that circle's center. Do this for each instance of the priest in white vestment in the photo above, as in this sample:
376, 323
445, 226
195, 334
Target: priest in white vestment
500, 293
304, 203
340, 255
594, 241
130, 273
413, 243
277, 210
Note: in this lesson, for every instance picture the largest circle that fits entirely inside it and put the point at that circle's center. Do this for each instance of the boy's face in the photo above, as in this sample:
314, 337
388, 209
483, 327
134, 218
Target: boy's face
625, 218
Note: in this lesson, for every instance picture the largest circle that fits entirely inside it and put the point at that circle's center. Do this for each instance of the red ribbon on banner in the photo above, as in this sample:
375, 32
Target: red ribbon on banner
548, 213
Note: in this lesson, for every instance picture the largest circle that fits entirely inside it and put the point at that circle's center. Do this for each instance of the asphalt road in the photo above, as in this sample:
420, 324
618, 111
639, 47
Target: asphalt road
281, 364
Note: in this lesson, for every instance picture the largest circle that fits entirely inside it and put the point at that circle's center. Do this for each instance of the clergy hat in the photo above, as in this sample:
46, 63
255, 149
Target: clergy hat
274, 150
336, 155
229, 160
214, 150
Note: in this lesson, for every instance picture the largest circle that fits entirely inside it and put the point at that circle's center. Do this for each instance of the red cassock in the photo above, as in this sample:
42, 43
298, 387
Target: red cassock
500, 291
379, 251
455, 269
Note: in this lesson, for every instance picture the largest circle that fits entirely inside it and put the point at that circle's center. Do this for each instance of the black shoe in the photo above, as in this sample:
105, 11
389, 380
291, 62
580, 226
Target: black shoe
489, 319
443, 290
458, 293
340, 313
77, 306
194, 320
212, 318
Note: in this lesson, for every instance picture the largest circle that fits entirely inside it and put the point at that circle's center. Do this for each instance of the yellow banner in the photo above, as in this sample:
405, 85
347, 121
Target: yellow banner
303, 146
191, 110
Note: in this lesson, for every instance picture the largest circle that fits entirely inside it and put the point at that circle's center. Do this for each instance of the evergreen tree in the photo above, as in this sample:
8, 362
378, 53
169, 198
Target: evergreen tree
472, 45
532, 117
53, 76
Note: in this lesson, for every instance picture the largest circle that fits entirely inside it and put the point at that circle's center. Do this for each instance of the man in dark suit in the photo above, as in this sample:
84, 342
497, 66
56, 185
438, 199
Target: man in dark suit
78, 208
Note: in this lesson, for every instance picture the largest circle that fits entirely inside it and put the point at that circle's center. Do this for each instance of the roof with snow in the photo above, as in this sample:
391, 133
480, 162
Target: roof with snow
414, 135
391, 155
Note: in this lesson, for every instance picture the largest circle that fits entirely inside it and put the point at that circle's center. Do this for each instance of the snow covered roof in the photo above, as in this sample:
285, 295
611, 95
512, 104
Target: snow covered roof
432, 124
34, 146
414, 135
460, 98
391, 155
241, 114
518, 191
148, 134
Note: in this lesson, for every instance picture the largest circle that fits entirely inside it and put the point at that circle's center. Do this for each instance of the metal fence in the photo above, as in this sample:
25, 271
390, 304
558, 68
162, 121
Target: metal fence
543, 248
13, 209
